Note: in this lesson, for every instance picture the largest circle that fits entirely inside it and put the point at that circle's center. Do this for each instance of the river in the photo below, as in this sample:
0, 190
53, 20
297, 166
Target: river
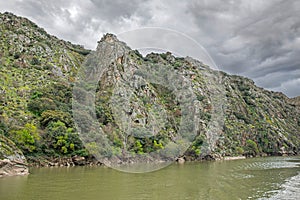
255, 178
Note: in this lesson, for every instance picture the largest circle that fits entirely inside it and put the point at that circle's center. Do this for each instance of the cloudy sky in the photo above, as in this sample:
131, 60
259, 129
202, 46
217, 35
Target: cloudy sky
258, 39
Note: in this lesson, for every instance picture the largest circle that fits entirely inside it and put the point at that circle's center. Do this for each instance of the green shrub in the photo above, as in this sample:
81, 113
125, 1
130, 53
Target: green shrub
242, 87
163, 56
197, 152
241, 116
26, 137
35, 61
158, 145
138, 147
62, 139
17, 55
251, 148
177, 65
239, 150
50, 116
38, 105
3, 127
200, 97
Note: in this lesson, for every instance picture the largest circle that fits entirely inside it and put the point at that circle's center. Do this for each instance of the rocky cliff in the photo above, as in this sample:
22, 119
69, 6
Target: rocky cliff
138, 105
232, 116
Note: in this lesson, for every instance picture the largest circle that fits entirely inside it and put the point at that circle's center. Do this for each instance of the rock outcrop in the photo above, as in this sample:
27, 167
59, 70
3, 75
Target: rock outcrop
12, 161
232, 115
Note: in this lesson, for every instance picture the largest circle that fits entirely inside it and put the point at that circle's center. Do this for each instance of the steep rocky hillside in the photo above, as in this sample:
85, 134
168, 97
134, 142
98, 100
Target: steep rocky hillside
30, 59
36, 71
232, 116
143, 104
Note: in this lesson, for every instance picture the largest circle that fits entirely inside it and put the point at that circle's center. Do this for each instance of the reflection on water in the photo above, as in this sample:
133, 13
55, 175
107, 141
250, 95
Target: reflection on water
257, 178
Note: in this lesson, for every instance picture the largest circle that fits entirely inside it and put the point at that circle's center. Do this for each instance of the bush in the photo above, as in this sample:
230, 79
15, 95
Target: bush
3, 127
158, 145
26, 137
177, 65
138, 147
239, 150
17, 55
62, 139
163, 56
56, 96
251, 148
38, 105
50, 116
242, 87
241, 116
35, 61
200, 97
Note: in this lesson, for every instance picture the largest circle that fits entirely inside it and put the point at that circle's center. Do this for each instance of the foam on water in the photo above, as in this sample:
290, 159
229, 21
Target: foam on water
290, 190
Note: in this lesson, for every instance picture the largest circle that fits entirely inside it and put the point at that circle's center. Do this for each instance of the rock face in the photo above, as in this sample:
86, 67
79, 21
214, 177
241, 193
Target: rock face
12, 161
232, 115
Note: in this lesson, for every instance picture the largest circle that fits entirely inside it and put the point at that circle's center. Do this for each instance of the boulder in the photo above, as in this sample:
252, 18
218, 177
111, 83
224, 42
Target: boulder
79, 160
181, 160
11, 168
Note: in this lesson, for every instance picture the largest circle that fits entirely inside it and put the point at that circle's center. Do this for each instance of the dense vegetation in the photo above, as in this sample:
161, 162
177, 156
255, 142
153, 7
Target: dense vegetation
36, 72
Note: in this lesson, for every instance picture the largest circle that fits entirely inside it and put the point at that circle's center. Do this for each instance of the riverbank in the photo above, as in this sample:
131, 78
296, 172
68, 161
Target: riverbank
62, 161
91, 161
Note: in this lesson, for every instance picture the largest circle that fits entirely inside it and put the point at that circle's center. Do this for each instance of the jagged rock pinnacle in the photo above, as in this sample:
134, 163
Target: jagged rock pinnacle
109, 37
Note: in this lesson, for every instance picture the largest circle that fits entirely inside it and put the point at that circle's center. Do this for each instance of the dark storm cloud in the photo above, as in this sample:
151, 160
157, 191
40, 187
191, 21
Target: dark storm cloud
257, 39
80, 21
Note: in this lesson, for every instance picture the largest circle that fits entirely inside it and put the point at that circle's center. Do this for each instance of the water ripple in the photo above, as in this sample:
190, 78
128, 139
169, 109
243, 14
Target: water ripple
290, 190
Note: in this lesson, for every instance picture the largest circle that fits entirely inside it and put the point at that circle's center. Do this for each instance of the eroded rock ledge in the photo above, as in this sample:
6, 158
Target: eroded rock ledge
12, 168
12, 160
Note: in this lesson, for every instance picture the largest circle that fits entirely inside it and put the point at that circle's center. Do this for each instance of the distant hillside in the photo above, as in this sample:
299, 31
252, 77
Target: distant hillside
38, 71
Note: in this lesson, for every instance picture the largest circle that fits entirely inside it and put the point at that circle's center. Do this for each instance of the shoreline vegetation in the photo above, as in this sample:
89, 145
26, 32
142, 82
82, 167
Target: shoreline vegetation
16, 168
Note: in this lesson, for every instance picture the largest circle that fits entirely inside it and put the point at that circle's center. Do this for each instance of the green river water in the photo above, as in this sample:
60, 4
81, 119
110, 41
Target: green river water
256, 178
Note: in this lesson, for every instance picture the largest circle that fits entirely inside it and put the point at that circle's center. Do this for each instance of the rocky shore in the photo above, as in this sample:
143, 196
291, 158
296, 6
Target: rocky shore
62, 161
12, 168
